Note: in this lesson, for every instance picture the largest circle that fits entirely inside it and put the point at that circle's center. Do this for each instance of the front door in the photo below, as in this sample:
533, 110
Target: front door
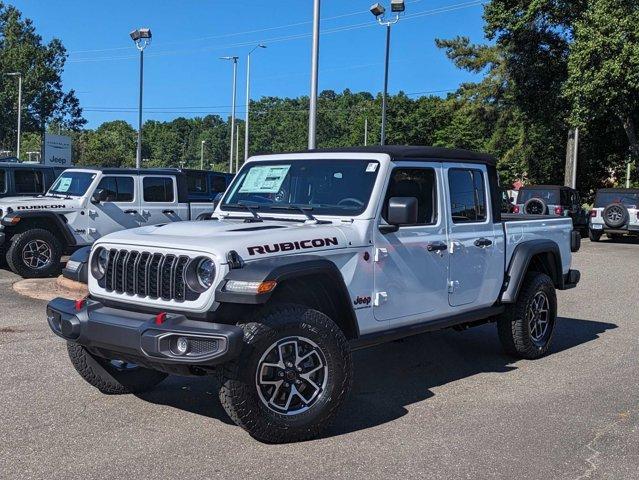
411, 265
474, 267
120, 211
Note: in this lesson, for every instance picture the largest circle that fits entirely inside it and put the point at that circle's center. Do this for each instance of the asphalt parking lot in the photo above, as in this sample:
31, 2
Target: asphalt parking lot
443, 405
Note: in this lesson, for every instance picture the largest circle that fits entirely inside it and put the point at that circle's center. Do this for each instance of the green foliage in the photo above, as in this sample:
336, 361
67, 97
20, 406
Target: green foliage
41, 65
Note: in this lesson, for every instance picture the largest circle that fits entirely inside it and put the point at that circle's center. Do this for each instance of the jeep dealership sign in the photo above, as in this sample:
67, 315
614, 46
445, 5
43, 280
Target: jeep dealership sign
57, 150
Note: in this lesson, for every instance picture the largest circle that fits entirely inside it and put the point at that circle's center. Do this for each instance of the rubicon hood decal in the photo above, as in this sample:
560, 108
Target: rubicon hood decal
288, 246
39, 207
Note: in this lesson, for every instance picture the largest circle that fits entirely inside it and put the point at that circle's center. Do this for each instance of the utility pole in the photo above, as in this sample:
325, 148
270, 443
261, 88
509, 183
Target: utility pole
202, 155
312, 117
248, 100
234, 60
574, 159
237, 150
366, 131
142, 38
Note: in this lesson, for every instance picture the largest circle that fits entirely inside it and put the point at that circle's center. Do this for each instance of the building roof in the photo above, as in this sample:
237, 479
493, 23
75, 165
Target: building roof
414, 152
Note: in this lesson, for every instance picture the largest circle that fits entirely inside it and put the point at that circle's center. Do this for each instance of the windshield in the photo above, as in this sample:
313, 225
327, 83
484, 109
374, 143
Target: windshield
72, 183
630, 199
548, 196
325, 187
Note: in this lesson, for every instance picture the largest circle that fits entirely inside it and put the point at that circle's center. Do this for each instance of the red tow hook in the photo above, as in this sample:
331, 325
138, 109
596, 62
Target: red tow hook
160, 318
80, 304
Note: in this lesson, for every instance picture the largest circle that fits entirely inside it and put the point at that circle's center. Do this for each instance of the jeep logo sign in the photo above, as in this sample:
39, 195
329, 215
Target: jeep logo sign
289, 246
57, 150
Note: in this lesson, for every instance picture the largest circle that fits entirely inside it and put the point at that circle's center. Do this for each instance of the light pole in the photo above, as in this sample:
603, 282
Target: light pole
312, 114
19, 75
234, 60
397, 7
248, 99
142, 38
202, 155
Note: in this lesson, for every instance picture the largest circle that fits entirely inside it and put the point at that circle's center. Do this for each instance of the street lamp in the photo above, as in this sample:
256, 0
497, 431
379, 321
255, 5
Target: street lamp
378, 10
248, 99
234, 60
312, 114
142, 38
202, 155
19, 75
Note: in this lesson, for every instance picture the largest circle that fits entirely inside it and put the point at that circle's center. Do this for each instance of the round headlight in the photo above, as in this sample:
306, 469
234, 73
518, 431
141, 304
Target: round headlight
205, 272
100, 263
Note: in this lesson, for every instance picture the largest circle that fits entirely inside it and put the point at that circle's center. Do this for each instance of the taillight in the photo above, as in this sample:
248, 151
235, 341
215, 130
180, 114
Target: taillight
516, 209
593, 213
559, 210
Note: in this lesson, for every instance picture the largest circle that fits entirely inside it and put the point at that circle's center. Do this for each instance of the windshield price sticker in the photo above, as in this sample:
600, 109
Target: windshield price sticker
266, 179
65, 184
371, 167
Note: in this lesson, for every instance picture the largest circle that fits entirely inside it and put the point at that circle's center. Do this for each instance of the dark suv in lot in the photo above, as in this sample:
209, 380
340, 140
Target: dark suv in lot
552, 200
19, 179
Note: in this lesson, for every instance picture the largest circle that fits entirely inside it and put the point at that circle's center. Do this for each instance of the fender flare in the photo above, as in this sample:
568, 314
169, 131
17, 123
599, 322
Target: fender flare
520, 261
8, 221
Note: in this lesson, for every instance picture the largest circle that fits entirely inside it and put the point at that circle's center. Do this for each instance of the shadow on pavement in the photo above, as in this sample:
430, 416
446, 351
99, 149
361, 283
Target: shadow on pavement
389, 377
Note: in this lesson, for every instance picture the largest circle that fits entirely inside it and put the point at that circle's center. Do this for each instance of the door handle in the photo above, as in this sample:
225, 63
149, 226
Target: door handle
130, 211
436, 247
483, 242
167, 212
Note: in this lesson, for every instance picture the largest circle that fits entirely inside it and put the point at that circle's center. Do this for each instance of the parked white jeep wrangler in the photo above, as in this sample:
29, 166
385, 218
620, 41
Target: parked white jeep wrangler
615, 213
311, 256
83, 205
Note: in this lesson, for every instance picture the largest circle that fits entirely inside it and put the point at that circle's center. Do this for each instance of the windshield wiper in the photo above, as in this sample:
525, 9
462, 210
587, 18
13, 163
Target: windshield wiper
252, 211
306, 211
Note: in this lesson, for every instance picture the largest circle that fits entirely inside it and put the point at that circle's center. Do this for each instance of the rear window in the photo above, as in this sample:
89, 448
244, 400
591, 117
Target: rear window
196, 182
3, 180
219, 183
548, 196
28, 181
630, 199
158, 189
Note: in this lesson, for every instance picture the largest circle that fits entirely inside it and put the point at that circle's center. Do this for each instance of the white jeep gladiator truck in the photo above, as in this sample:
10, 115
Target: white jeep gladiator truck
308, 257
83, 205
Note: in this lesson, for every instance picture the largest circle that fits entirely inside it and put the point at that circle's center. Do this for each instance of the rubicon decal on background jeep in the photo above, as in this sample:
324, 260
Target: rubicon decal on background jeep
39, 207
288, 246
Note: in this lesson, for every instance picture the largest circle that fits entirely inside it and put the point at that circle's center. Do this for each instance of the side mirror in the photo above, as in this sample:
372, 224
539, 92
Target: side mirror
401, 211
99, 196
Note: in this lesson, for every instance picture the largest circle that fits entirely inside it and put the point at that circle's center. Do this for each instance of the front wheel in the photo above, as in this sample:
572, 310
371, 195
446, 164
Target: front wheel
293, 374
594, 235
526, 328
34, 253
113, 377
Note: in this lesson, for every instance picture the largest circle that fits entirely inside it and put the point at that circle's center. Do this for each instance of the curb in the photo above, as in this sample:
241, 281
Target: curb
49, 288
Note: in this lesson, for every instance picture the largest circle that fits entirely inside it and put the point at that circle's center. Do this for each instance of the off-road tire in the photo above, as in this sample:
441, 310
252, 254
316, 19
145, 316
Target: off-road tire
108, 379
513, 326
21, 240
239, 391
542, 206
594, 236
622, 215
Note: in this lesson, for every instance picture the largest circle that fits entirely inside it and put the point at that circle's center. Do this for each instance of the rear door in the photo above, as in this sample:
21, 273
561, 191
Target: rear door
28, 181
160, 200
120, 211
476, 270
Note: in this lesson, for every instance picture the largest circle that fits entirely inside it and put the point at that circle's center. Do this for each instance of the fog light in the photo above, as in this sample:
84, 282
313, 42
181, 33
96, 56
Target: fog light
181, 346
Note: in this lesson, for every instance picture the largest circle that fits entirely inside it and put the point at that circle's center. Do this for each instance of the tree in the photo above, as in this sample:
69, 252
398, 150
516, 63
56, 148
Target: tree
603, 67
113, 144
41, 65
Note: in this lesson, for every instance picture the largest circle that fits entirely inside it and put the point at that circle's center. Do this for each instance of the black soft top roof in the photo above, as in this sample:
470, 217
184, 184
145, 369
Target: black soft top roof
416, 153
545, 187
618, 190
25, 165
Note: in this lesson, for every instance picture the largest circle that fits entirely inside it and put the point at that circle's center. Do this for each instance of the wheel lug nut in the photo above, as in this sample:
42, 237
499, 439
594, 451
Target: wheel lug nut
286, 385
297, 382
289, 364
280, 374
299, 369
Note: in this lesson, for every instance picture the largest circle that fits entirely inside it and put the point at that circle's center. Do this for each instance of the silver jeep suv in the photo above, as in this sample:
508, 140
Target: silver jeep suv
615, 213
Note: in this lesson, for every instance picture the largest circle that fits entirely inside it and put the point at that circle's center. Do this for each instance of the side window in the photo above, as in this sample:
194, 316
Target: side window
158, 189
196, 182
28, 181
420, 183
119, 189
218, 183
467, 195
3, 180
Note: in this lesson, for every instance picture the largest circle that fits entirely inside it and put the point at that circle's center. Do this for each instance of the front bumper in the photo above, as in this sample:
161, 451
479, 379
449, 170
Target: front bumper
142, 338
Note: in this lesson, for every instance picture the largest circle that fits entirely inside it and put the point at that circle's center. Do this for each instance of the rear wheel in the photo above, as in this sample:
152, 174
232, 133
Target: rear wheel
526, 328
594, 235
34, 253
112, 377
293, 374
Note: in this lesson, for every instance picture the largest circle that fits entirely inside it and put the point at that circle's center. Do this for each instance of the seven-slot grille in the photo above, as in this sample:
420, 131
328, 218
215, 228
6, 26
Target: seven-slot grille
147, 274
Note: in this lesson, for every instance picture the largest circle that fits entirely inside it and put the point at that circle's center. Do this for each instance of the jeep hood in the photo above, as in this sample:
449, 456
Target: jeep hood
39, 203
249, 240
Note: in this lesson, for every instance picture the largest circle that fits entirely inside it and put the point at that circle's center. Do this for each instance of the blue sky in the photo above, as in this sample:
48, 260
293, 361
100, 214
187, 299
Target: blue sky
184, 77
